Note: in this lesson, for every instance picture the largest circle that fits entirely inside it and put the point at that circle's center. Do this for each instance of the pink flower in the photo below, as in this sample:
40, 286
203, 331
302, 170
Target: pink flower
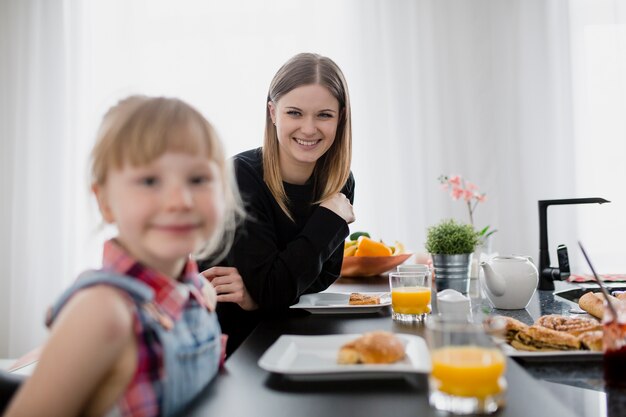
468, 191
470, 186
457, 192
460, 188
468, 195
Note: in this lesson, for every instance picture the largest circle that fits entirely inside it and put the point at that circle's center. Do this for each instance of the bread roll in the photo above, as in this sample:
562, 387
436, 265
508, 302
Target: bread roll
372, 347
571, 325
592, 304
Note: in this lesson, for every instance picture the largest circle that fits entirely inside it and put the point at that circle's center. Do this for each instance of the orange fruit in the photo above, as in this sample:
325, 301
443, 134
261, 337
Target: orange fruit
369, 247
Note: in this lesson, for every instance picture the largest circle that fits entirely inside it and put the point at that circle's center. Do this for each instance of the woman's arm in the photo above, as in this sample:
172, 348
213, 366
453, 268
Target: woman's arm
329, 274
229, 287
276, 277
86, 340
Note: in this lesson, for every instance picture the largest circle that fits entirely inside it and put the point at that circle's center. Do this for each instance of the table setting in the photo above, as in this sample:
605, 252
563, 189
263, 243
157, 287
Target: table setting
292, 361
298, 359
267, 370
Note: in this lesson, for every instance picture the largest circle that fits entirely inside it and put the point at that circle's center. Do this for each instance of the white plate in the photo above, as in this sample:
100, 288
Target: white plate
567, 355
26, 369
315, 358
337, 303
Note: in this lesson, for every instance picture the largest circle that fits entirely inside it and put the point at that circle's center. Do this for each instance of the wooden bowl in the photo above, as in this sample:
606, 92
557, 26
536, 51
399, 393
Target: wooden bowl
368, 266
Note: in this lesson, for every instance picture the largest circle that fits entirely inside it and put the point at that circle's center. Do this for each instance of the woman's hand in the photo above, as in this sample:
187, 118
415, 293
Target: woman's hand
230, 287
340, 205
210, 295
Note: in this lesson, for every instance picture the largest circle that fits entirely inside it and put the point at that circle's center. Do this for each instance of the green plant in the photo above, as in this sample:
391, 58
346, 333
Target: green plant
451, 238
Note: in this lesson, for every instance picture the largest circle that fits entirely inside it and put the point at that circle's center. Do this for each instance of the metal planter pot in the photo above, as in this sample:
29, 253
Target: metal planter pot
452, 271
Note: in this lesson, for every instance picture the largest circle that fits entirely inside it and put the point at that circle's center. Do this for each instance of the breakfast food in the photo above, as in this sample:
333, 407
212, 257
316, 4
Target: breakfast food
572, 325
549, 333
538, 338
506, 327
358, 299
373, 347
592, 340
592, 304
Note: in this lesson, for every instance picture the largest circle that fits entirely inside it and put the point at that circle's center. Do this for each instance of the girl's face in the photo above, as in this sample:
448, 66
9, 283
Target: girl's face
306, 120
165, 210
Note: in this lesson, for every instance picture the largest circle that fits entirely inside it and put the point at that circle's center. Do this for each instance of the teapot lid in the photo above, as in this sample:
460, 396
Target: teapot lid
512, 258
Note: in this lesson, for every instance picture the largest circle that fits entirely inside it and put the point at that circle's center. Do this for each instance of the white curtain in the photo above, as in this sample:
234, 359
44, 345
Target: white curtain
44, 230
504, 93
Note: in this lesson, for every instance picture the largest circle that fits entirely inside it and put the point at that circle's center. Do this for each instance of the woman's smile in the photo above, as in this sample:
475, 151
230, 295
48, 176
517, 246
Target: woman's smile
308, 143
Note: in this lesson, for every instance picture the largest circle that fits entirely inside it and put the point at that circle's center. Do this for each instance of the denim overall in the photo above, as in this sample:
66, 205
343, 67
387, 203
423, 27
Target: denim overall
191, 348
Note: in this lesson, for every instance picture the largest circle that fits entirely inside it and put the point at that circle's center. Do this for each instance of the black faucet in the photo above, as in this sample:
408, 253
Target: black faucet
547, 273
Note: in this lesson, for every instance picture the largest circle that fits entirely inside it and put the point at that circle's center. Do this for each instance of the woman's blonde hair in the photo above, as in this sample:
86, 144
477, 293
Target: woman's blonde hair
332, 169
140, 129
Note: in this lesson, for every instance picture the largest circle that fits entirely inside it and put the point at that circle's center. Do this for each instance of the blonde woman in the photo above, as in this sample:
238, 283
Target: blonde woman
298, 191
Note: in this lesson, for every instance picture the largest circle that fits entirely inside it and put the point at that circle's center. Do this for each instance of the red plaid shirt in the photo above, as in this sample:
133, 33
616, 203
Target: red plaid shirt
142, 397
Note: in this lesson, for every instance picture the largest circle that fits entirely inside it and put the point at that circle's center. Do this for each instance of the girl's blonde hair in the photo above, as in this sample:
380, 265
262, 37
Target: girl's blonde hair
333, 169
140, 129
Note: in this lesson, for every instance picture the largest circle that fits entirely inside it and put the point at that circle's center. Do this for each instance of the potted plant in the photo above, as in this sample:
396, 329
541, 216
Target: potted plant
451, 246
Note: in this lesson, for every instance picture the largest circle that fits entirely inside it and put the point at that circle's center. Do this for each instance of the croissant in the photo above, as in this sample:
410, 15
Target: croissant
372, 347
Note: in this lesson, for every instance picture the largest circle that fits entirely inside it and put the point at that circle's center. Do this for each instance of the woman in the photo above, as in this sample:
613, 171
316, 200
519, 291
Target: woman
298, 191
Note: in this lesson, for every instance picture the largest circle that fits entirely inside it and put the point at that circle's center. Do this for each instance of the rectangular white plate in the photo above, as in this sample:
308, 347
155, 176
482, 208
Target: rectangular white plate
337, 303
315, 358
569, 355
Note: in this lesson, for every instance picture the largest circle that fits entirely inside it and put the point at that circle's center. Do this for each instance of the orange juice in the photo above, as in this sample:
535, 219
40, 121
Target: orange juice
410, 300
468, 371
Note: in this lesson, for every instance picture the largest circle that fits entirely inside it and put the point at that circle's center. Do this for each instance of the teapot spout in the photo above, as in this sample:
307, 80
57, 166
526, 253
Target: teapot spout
494, 282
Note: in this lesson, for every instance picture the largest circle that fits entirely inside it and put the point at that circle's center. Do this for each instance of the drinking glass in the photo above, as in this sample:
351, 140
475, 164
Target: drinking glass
614, 345
410, 295
413, 268
467, 368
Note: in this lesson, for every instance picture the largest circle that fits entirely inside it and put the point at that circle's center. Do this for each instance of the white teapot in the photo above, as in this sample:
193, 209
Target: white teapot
510, 281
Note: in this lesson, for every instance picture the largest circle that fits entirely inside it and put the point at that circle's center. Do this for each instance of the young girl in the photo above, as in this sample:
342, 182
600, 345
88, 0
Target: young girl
299, 192
140, 337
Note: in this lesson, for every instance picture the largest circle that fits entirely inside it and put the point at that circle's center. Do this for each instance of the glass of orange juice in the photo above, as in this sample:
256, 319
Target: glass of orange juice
467, 374
410, 295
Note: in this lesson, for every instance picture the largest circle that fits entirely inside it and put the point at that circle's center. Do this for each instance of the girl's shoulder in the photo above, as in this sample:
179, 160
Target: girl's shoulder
99, 290
92, 301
